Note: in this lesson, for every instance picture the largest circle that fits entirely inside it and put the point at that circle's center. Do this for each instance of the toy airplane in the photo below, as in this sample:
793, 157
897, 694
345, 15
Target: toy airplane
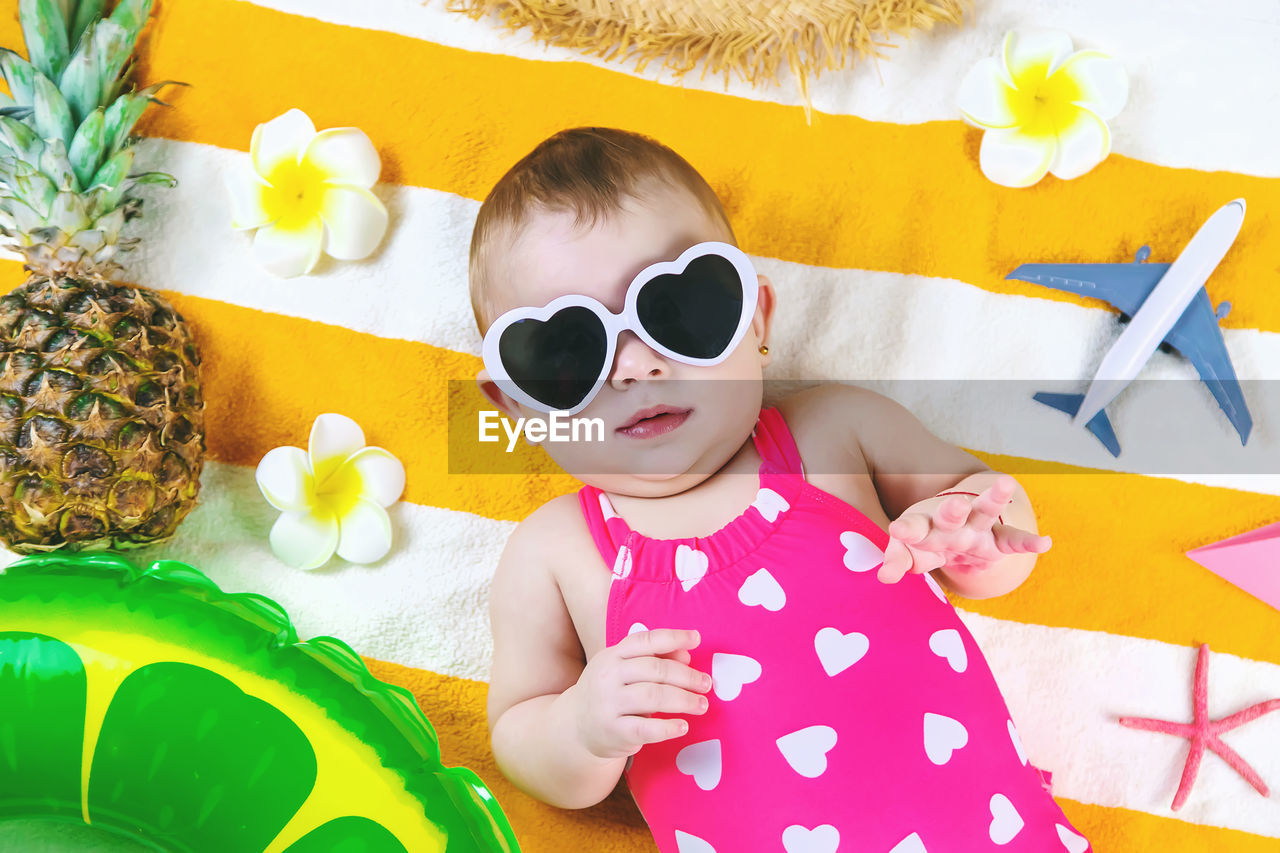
1169, 308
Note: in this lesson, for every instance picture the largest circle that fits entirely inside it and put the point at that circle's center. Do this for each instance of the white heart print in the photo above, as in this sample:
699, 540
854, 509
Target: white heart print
762, 589
691, 566
820, 839
910, 844
686, 843
701, 761
806, 749
1006, 823
837, 652
1017, 743
942, 737
730, 672
769, 504
1074, 843
622, 565
860, 553
948, 644
636, 626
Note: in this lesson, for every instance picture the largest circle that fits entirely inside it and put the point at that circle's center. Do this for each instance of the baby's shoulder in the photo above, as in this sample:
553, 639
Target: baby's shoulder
552, 536
825, 422
828, 403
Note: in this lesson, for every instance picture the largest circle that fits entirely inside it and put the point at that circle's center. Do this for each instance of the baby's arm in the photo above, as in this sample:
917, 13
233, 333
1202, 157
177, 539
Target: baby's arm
561, 728
910, 466
537, 658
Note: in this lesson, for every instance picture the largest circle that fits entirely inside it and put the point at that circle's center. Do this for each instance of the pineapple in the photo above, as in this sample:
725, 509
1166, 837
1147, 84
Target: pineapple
101, 412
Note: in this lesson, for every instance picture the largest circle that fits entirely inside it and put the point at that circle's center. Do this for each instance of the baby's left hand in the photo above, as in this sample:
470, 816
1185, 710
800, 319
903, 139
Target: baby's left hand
957, 532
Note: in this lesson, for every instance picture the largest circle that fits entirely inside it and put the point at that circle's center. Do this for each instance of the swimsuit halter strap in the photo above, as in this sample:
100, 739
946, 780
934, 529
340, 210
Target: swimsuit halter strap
775, 443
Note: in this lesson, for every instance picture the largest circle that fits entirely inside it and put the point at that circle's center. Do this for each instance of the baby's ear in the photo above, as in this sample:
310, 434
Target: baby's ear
765, 301
490, 389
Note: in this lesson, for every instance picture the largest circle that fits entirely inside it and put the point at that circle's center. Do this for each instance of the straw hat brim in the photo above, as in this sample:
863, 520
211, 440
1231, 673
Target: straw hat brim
741, 36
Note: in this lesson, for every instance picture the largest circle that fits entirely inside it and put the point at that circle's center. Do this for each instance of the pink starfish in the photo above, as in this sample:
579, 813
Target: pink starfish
1204, 733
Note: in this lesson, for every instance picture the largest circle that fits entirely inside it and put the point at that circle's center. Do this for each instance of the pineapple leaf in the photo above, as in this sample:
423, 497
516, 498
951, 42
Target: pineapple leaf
21, 139
19, 74
86, 147
33, 187
112, 173
45, 29
153, 178
19, 113
131, 15
87, 11
81, 84
57, 166
68, 213
111, 223
91, 240
125, 111
121, 116
23, 216
53, 116
113, 47
5, 101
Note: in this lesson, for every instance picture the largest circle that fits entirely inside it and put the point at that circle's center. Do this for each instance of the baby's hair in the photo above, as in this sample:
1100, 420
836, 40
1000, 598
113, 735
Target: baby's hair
588, 171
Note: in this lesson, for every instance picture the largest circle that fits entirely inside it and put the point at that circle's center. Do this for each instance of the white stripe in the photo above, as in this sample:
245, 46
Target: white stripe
966, 361
425, 606
1066, 687
892, 327
1200, 74
413, 287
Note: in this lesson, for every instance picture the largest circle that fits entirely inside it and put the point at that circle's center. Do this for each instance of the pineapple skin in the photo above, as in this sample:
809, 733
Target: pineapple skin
101, 416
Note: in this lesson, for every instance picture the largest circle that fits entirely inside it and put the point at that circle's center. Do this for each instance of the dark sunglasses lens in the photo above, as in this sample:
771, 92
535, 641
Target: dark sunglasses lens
696, 312
555, 361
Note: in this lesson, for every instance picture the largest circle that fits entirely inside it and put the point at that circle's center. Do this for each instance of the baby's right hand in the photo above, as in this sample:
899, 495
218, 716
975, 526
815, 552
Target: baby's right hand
644, 673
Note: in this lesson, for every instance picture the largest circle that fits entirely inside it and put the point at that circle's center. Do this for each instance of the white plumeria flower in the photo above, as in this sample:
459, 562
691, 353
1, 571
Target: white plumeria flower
332, 496
1044, 108
307, 192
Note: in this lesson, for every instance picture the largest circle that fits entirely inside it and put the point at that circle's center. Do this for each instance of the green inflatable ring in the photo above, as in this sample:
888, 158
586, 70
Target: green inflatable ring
153, 705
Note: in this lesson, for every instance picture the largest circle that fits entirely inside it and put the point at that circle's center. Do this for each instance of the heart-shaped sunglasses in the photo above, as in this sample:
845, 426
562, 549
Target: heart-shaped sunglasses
694, 310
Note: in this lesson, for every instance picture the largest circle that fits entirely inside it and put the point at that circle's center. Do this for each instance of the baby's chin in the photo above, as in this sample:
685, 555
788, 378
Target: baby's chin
674, 470
648, 485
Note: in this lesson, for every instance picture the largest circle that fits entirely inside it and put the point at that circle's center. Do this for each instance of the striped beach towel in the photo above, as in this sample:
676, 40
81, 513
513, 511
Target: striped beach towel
888, 249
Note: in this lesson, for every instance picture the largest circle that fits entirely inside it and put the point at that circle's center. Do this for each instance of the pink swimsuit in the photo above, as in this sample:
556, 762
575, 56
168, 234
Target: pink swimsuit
846, 714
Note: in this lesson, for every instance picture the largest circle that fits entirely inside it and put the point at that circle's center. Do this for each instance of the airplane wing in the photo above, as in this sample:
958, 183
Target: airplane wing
1198, 337
1123, 285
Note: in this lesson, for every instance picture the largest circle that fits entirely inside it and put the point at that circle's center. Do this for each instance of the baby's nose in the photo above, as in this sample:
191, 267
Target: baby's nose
635, 360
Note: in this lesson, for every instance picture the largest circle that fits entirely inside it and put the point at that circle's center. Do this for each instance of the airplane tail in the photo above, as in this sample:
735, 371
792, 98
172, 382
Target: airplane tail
1099, 425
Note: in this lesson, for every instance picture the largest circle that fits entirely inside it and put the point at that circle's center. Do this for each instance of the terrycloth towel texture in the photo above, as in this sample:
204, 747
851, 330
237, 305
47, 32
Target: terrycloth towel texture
888, 250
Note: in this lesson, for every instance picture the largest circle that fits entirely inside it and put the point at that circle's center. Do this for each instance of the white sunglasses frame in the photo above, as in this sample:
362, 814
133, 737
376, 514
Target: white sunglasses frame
614, 324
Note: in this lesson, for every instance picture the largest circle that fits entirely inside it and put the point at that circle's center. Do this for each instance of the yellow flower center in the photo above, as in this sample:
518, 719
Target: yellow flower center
1043, 103
297, 191
337, 489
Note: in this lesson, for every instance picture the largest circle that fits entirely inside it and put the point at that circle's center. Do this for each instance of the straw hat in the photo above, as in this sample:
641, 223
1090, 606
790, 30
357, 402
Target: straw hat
747, 36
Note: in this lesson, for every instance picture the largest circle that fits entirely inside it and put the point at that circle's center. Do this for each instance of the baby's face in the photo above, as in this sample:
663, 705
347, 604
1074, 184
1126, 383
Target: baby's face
550, 259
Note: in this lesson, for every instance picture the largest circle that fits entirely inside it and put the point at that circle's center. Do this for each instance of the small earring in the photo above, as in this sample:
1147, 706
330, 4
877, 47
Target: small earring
764, 350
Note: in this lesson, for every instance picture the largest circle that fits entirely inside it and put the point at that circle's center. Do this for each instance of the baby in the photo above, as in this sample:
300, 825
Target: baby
737, 611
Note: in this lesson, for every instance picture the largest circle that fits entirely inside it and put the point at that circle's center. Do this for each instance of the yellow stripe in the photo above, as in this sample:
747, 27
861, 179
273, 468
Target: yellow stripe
1117, 563
902, 198
456, 708
1117, 830
1118, 560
